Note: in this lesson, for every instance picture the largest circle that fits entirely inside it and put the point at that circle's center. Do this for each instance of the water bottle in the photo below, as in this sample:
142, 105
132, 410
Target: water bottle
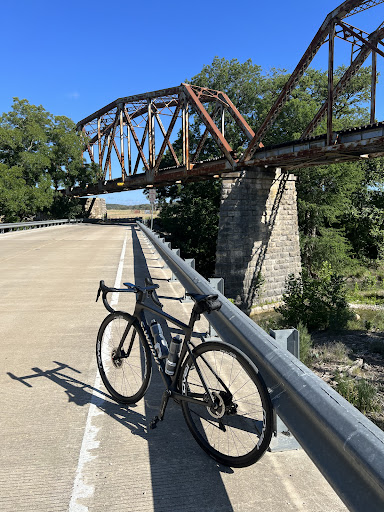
173, 356
161, 346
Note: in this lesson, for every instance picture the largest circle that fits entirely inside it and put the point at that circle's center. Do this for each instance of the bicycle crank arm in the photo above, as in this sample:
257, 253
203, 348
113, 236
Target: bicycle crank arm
198, 401
164, 402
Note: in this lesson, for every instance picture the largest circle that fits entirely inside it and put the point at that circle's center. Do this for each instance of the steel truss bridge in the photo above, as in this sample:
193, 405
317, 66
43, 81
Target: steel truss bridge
124, 131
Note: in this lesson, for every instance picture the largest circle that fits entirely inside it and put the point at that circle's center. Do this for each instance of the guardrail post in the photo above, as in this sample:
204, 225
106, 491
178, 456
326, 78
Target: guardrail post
173, 277
218, 284
191, 263
288, 339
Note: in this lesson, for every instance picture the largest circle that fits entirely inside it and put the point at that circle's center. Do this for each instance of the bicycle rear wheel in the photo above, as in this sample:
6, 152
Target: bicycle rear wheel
125, 368
237, 431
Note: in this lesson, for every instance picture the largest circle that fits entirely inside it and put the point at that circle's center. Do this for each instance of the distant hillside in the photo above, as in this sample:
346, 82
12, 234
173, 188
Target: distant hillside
128, 207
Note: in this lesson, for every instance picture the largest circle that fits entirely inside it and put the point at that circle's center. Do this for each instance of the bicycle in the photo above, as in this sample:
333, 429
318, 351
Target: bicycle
224, 400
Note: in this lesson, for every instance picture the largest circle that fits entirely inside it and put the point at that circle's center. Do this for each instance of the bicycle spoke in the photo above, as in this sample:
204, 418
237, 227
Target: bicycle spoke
125, 377
232, 428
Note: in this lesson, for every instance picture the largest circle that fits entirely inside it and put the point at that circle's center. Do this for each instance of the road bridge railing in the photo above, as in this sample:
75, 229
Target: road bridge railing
12, 226
346, 447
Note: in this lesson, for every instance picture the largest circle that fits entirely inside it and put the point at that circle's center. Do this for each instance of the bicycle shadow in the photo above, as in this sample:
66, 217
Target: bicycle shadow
80, 393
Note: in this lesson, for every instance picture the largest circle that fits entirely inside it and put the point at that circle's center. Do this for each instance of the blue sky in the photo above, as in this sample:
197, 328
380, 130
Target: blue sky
74, 57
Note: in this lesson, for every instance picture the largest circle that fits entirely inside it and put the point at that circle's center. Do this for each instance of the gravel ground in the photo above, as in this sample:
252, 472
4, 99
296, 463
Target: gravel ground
358, 361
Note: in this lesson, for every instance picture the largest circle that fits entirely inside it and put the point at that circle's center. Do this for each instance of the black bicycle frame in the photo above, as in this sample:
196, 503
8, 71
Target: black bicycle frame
171, 382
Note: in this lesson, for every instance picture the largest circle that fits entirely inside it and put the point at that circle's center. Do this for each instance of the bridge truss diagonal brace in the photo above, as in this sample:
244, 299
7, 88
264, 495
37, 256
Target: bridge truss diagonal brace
166, 141
337, 14
207, 120
111, 141
138, 145
237, 117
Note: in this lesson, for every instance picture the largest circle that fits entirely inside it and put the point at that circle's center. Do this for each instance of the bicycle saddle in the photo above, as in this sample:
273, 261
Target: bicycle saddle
207, 303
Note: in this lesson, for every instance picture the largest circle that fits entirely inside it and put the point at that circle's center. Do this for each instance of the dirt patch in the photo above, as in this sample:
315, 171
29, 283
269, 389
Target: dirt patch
356, 355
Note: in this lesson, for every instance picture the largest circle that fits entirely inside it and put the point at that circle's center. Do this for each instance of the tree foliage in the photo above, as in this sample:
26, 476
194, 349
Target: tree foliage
191, 217
339, 206
39, 153
318, 302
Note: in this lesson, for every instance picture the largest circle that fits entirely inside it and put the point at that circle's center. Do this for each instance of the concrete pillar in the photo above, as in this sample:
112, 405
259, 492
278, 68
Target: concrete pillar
258, 240
95, 208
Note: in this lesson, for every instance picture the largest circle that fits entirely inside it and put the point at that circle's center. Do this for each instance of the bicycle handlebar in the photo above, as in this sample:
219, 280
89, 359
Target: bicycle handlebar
104, 289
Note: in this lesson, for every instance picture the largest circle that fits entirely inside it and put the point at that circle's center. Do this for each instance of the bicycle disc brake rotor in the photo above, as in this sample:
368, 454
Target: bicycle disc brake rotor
218, 410
117, 362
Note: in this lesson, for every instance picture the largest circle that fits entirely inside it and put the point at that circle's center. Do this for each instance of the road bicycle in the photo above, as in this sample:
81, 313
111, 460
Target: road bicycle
224, 400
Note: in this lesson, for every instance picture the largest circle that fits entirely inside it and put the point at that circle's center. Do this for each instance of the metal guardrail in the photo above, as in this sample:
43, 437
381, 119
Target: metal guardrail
346, 447
35, 224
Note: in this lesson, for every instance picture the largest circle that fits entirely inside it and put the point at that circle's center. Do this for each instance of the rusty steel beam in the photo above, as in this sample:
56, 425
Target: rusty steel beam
373, 87
323, 32
205, 135
166, 139
367, 4
111, 137
185, 131
139, 147
350, 145
331, 42
128, 99
166, 135
122, 161
366, 42
238, 118
374, 38
151, 136
142, 145
207, 120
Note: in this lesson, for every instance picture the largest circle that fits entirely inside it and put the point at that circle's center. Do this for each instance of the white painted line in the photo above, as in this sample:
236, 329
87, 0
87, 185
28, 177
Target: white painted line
80, 488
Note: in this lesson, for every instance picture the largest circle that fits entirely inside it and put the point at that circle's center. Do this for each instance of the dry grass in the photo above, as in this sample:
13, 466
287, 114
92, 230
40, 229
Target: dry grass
124, 214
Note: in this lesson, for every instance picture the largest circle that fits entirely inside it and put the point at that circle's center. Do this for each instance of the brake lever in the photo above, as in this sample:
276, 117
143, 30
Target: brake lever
98, 293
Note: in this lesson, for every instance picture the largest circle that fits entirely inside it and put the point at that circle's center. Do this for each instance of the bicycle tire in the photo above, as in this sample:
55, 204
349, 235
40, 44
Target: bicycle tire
127, 378
239, 431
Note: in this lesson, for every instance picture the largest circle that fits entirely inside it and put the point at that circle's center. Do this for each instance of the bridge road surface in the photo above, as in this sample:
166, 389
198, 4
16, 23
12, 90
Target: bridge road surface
65, 445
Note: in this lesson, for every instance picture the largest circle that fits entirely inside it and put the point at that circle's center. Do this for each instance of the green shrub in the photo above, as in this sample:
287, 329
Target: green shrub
359, 392
305, 344
316, 302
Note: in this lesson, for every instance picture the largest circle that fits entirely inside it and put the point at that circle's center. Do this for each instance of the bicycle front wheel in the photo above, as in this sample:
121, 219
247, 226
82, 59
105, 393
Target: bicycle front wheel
123, 358
237, 430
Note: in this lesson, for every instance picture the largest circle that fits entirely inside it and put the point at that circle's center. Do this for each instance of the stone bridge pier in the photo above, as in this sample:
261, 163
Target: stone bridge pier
258, 240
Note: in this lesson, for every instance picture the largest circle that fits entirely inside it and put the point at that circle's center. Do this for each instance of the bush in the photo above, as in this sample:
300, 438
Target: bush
316, 302
359, 392
305, 344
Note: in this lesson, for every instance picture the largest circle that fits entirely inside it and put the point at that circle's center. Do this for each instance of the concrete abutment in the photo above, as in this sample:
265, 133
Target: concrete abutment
258, 240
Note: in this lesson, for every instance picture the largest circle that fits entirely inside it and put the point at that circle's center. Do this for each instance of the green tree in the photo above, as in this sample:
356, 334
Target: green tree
191, 217
317, 302
325, 193
39, 153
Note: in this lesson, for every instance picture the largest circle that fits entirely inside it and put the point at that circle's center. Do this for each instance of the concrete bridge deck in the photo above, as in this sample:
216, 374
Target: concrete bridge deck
65, 444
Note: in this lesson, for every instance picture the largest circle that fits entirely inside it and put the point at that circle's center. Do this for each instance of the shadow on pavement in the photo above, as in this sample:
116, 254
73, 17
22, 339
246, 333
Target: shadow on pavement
81, 394
183, 476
